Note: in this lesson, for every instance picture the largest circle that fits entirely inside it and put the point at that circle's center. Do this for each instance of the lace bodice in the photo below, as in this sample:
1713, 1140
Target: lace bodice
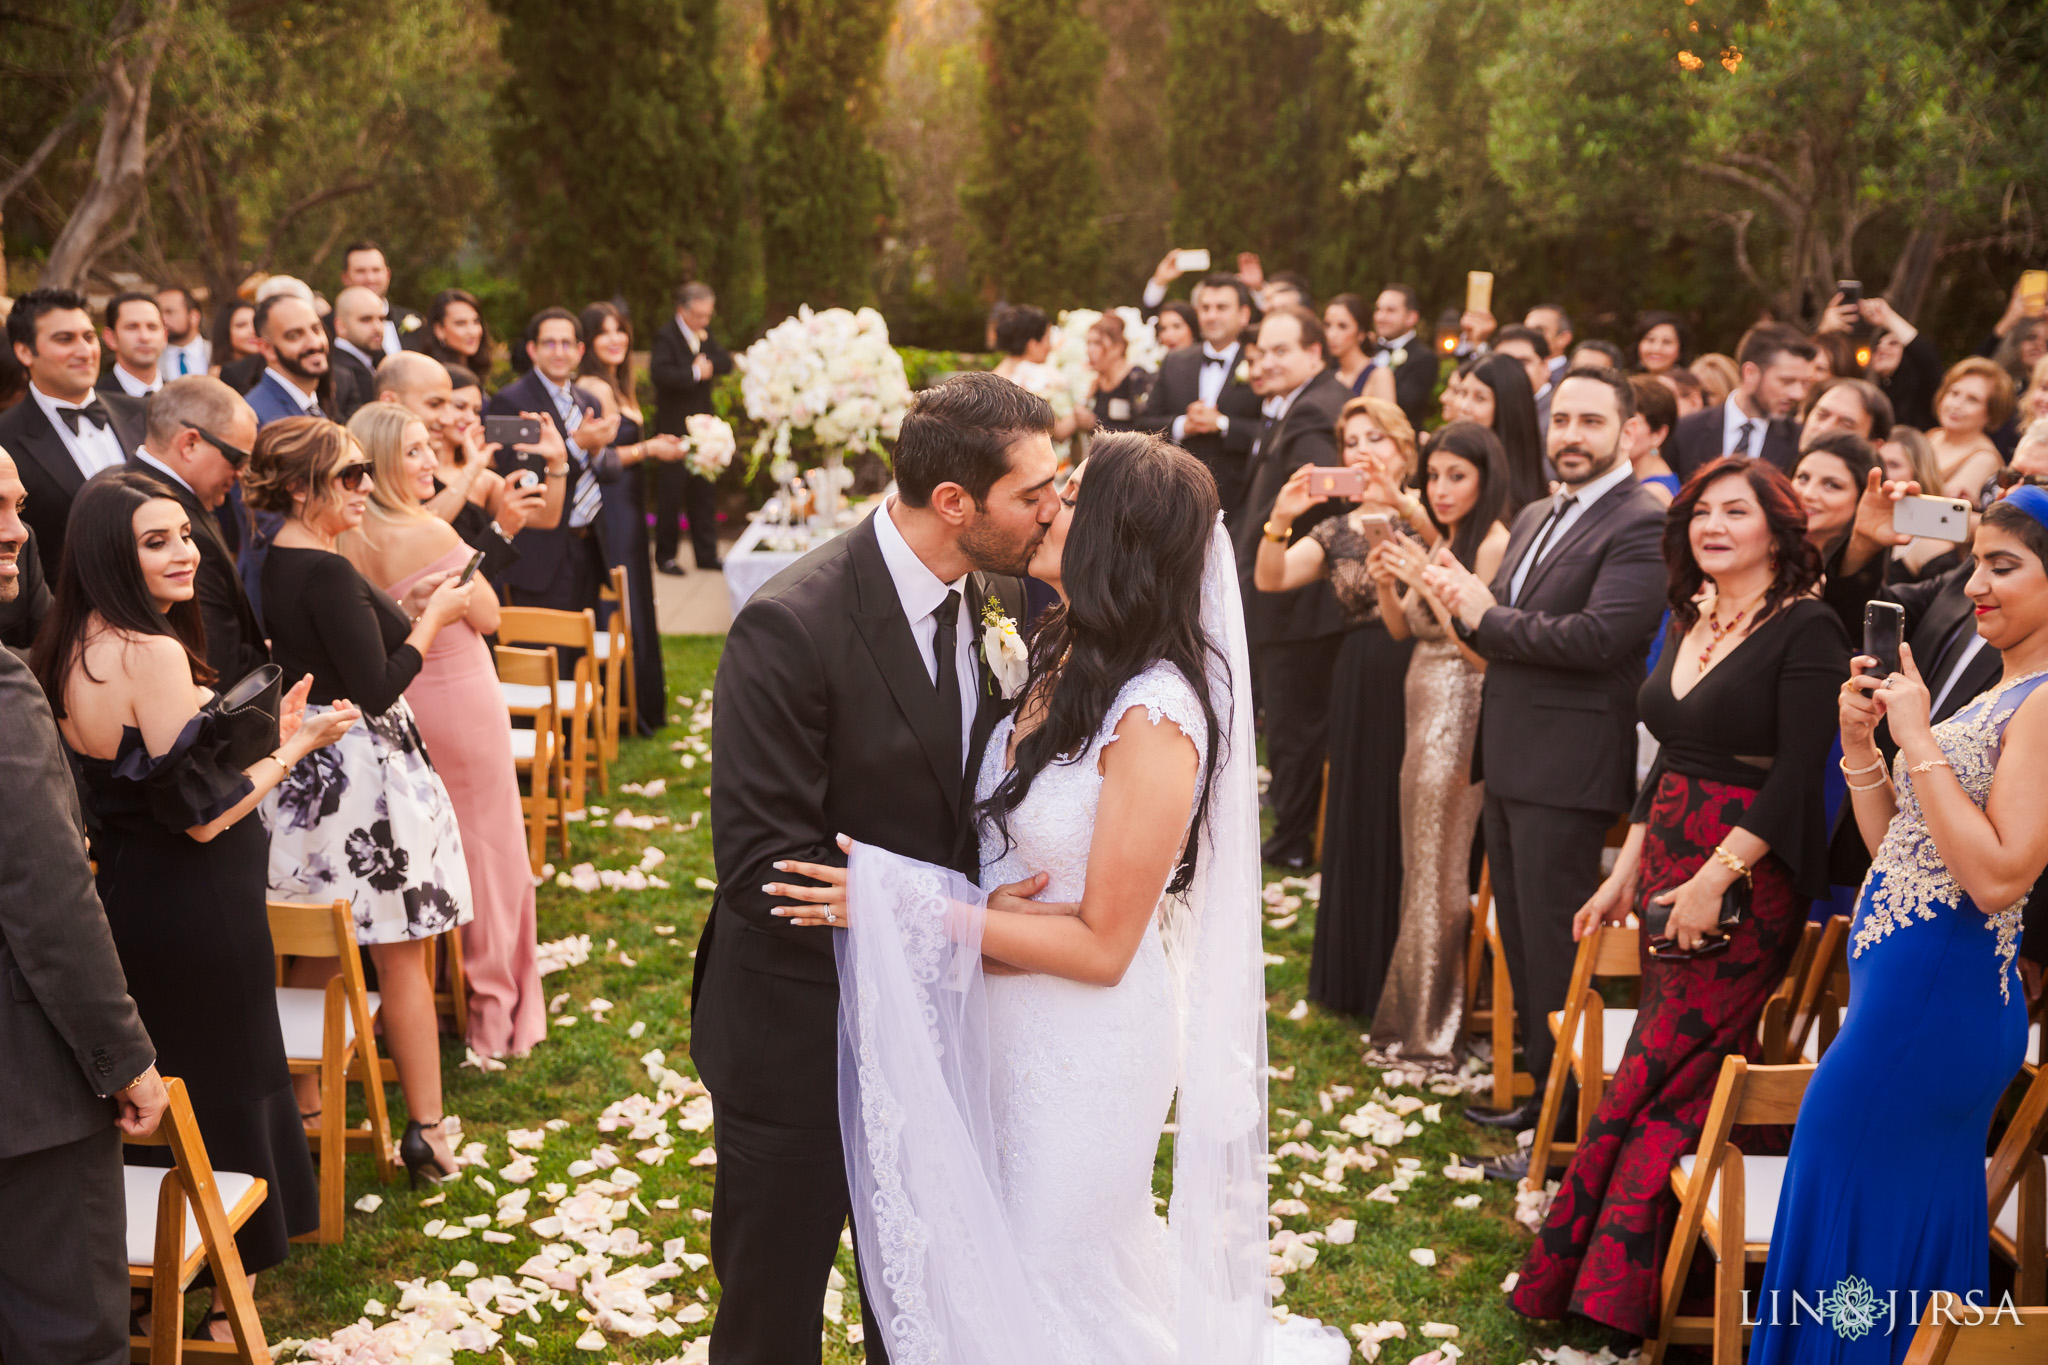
1344, 552
1051, 829
1916, 883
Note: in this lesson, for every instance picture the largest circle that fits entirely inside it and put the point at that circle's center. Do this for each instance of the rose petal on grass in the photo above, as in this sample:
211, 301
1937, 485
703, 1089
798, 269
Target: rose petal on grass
707, 1157
370, 1203
495, 1237
1423, 1256
1341, 1231
1469, 1201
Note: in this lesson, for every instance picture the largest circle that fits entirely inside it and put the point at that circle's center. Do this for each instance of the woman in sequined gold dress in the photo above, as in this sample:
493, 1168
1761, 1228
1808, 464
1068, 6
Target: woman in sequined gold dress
1884, 1191
1358, 917
1422, 1006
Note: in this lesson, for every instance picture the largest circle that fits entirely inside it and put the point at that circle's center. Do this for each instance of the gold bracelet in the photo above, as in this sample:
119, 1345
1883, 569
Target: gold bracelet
1848, 771
1278, 536
1730, 861
1930, 763
1883, 781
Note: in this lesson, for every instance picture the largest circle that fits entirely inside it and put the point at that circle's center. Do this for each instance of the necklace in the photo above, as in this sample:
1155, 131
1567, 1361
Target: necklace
1718, 631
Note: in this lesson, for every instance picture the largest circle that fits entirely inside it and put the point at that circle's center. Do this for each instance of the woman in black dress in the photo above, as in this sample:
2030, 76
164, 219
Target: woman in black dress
456, 332
181, 857
1742, 703
1120, 386
1496, 394
1359, 917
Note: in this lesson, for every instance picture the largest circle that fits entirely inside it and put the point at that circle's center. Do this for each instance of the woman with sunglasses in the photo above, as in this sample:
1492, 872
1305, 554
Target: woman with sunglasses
369, 820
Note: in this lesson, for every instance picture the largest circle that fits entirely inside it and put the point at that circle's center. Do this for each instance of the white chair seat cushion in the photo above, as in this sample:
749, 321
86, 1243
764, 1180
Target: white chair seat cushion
302, 1018
1615, 1027
1811, 1052
604, 646
530, 696
2033, 1045
522, 745
144, 1183
2009, 1213
1763, 1180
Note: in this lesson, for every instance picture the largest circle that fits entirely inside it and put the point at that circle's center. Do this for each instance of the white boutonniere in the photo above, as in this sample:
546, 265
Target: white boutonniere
411, 323
1397, 357
1003, 649
1244, 372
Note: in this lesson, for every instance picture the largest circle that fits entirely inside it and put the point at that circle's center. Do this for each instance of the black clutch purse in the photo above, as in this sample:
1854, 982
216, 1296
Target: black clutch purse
247, 715
1656, 922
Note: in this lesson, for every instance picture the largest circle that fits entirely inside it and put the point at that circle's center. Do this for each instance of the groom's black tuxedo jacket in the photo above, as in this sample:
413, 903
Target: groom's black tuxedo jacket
824, 722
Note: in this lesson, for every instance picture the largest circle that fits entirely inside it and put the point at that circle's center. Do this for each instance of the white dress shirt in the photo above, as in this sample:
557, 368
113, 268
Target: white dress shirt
134, 387
1209, 381
922, 595
1967, 652
1387, 348
1732, 418
92, 448
192, 358
391, 345
1584, 496
308, 402
142, 454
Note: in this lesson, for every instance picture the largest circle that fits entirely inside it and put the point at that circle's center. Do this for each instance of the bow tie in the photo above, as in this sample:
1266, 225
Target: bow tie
94, 412
1208, 360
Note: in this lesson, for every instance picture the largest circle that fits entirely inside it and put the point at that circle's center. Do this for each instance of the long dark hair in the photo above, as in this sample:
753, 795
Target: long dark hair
1798, 563
1132, 570
99, 571
1649, 322
224, 330
437, 313
1514, 421
621, 380
1480, 448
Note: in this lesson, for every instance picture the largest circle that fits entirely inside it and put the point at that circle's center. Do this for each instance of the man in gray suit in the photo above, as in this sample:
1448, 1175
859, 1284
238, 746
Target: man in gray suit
74, 1060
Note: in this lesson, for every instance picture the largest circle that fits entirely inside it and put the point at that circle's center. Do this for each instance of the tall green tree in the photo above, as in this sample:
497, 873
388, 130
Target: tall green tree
615, 149
824, 196
1035, 191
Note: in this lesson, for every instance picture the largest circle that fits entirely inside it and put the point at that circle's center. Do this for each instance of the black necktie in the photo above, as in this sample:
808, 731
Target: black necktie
94, 412
1742, 438
945, 645
1550, 524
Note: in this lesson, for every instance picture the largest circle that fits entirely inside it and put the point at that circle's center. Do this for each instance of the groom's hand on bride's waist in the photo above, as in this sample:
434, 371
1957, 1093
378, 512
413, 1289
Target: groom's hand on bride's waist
1016, 898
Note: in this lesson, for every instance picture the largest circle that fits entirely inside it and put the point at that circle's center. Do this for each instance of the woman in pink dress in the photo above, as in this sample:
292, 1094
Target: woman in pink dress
462, 717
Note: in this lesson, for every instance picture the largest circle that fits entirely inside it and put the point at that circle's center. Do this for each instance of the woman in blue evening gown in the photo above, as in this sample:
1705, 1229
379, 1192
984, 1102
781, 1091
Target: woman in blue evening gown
1884, 1199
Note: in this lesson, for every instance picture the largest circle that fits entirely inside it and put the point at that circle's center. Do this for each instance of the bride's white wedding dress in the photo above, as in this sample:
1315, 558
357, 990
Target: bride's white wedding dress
1001, 1132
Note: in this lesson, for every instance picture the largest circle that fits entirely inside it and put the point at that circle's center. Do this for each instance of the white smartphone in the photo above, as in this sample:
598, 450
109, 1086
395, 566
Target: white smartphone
1191, 260
1936, 518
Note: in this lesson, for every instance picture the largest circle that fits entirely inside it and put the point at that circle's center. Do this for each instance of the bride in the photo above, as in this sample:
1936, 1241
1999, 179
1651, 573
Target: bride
1005, 1078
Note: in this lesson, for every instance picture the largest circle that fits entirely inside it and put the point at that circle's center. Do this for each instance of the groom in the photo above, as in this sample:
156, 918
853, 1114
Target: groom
851, 698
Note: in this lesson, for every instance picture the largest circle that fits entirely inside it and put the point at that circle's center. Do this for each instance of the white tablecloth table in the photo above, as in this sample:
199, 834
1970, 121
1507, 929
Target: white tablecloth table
748, 564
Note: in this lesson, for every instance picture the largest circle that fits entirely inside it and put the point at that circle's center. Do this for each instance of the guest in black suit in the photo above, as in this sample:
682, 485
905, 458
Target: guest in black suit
357, 326
74, 1058
24, 592
560, 567
62, 433
1294, 635
1759, 419
1395, 316
200, 435
362, 263
687, 361
1564, 627
135, 334
850, 700
1199, 400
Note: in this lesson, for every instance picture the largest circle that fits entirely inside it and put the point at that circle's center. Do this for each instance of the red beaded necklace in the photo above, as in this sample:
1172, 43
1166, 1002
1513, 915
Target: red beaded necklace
1719, 632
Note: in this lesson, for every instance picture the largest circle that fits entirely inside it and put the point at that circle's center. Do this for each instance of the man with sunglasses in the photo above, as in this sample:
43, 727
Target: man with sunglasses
199, 435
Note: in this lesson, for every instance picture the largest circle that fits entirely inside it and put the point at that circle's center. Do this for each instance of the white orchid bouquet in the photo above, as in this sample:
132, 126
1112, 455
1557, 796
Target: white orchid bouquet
711, 444
828, 380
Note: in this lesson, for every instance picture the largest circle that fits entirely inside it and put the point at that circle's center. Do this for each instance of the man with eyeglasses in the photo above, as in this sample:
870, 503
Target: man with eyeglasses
198, 439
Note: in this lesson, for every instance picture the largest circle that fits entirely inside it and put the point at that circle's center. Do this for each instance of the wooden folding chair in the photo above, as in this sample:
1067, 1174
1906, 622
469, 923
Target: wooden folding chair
537, 752
1953, 1335
615, 657
325, 1031
578, 698
180, 1220
1730, 1203
1773, 1031
1823, 1000
2016, 1181
1591, 1039
1497, 1019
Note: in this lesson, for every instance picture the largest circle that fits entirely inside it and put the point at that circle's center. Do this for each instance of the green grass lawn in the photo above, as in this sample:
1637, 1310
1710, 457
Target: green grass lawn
644, 971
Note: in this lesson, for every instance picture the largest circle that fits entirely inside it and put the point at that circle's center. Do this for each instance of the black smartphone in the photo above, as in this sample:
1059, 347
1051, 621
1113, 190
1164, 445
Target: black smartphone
530, 461
1850, 290
1884, 629
469, 569
511, 431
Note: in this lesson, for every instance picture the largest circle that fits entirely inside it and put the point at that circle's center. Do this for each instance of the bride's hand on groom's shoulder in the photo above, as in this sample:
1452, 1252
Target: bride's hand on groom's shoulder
819, 905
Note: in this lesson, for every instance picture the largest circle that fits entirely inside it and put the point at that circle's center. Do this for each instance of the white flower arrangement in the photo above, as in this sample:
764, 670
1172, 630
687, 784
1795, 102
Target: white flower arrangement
711, 444
831, 377
1003, 649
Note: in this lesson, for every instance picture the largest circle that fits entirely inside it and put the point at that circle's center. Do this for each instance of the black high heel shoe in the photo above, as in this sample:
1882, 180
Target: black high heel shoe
418, 1156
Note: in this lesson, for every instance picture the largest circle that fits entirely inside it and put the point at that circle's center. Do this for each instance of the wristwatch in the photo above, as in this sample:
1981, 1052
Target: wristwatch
1279, 535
